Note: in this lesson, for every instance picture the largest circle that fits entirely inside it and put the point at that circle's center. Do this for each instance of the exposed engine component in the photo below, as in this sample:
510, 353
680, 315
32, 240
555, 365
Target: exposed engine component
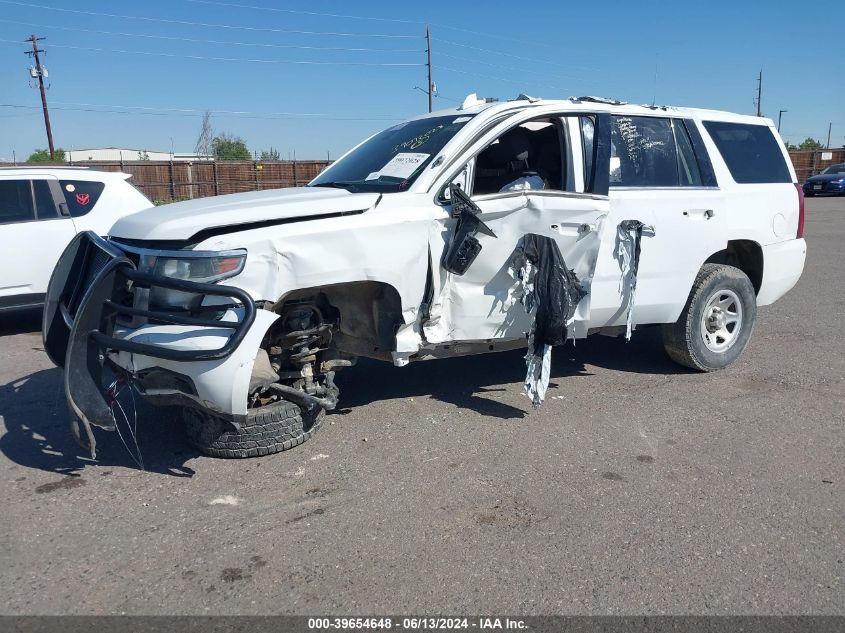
296, 351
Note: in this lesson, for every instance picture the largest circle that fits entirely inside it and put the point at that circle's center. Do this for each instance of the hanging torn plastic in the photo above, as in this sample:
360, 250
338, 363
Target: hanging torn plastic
628, 246
550, 293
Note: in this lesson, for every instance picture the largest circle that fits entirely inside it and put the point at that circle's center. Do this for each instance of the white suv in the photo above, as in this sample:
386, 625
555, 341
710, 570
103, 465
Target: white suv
41, 210
488, 227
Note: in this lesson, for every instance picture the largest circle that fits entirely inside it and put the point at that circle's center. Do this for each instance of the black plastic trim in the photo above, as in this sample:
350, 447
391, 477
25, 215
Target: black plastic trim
147, 280
705, 166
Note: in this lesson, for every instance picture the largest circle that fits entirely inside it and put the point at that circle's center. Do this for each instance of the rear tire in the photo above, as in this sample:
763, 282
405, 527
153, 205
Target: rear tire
267, 430
717, 321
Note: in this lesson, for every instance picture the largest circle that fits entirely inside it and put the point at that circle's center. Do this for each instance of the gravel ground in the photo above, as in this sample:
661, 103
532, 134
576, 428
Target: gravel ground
638, 487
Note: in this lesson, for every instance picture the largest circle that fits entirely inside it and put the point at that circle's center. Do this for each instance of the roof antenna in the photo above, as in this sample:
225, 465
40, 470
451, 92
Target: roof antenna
654, 97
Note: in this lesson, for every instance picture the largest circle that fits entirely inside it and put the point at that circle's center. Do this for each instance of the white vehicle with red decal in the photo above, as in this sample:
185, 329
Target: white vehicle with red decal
487, 227
41, 210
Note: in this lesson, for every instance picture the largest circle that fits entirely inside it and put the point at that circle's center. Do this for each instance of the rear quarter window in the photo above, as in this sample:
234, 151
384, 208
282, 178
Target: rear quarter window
81, 195
750, 151
16, 201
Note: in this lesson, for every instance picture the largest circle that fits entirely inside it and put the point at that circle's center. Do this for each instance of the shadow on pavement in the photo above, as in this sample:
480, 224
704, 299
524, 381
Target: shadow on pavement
38, 433
464, 381
21, 322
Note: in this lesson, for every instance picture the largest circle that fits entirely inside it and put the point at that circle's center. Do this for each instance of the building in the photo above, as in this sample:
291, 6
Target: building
82, 155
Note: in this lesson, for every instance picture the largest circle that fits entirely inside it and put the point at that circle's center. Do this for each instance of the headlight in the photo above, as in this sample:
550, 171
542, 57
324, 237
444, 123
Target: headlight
202, 267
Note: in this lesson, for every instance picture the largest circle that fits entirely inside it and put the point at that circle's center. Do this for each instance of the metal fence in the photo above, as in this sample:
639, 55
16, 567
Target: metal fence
165, 181
811, 162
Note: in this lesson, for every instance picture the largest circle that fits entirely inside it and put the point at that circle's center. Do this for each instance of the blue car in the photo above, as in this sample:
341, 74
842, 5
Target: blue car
831, 180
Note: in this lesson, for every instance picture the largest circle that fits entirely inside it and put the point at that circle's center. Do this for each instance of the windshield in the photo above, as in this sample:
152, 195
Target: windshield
391, 160
835, 169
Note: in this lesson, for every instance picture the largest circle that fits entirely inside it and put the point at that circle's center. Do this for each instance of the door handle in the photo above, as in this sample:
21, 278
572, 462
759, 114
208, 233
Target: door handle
705, 213
572, 229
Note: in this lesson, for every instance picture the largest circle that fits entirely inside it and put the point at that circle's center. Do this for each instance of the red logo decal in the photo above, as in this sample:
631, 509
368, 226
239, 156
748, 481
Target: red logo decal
83, 198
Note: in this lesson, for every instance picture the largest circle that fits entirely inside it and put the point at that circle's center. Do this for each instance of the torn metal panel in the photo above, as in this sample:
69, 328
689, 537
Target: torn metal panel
550, 293
483, 303
628, 248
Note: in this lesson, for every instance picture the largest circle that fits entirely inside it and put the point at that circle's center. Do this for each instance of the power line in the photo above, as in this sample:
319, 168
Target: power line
379, 19
227, 43
533, 60
510, 68
205, 24
225, 59
390, 117
297, 12
493, 77
101, 109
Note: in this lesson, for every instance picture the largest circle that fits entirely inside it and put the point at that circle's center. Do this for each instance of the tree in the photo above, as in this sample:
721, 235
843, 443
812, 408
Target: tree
205, 139
43, 156
810, 143
270, 154
143, 155
790, 147
229, 147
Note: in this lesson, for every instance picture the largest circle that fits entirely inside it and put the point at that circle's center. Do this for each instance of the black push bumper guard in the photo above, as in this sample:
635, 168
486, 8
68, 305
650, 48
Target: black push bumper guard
91, 288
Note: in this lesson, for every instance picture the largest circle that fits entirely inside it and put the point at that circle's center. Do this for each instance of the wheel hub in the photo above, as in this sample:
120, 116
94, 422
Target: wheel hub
721, 320
716, 320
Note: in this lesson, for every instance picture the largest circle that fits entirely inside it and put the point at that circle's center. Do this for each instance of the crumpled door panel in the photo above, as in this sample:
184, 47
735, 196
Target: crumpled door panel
483, 303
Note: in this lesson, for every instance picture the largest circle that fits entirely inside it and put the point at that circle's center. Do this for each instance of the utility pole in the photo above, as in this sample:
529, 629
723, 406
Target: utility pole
829, 127
780, 114
428, 64
759, 93
39, 72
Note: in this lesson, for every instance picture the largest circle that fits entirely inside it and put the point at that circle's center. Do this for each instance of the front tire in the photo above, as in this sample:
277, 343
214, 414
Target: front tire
717, 321
270, 429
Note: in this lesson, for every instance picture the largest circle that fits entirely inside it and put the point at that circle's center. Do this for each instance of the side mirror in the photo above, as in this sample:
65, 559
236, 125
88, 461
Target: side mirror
460, 181
463, 247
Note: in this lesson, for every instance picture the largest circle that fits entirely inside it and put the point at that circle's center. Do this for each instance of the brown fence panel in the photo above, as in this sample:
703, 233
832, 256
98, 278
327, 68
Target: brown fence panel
163, 181
811, 162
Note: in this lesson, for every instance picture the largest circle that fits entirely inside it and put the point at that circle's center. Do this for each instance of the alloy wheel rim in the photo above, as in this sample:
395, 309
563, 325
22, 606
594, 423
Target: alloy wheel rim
721, 321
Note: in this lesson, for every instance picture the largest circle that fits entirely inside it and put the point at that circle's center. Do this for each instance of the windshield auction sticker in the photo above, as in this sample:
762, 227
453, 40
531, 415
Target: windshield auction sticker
402, 165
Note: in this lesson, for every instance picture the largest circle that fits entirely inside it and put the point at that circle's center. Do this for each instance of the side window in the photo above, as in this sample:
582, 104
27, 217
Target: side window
528, 156
643, 152
81, 195
688, 169
16, 201
588, 132
750, 151
45, 206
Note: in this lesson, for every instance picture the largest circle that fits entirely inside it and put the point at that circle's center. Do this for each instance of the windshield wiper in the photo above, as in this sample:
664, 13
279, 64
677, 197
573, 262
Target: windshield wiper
351, 187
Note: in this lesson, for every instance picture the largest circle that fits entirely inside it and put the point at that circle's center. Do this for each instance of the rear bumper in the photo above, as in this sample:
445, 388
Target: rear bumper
823, 187
783, 264
90, 319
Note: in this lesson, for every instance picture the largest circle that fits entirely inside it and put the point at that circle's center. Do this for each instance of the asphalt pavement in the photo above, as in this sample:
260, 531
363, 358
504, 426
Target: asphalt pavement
639, 487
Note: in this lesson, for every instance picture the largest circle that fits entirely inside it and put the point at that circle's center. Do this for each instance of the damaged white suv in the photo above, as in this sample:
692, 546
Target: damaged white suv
488, 227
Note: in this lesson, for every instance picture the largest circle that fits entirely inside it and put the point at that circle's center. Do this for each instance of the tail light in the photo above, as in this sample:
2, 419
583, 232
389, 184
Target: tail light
800, 190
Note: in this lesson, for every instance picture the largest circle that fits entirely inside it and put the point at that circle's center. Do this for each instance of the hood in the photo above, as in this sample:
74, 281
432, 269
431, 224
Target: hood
182, 220
826, 177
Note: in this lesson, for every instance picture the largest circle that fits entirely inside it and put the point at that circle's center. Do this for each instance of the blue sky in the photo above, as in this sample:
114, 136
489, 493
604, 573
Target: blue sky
159, 64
